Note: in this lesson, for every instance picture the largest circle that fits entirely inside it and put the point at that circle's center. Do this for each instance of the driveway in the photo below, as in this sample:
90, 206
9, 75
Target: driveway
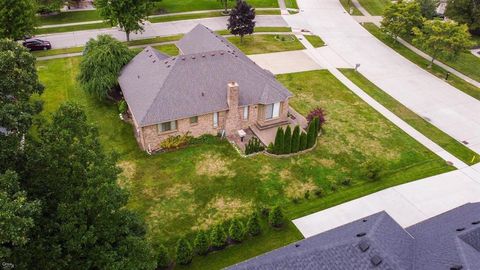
408, 203
79, 38
444, 106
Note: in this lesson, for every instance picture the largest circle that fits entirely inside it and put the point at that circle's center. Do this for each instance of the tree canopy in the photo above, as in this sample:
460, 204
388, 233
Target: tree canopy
128, 14
18, 82
83, 223
241, 21
103, 59
465, 12
444, 39
428, 8
17, 18
48, 6
400, 18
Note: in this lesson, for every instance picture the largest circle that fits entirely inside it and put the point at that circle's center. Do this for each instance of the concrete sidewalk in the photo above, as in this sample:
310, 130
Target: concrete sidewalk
449, 109
79, 38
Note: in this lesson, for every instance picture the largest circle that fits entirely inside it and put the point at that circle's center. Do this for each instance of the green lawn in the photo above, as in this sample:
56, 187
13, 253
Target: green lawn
374, 7
256, 44
259, 30
423, 63
436, 135
291, 4
173, 6
208, 182
184, 17
62, 29
70, 17
347, 4
316, 41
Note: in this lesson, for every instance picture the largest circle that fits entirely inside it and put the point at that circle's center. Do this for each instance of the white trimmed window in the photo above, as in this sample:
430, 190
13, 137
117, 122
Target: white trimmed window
245, 113
272, 110
167, 126
215, 119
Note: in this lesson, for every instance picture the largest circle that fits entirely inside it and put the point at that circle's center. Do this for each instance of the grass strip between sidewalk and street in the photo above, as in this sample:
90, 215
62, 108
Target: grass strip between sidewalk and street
435, 70
433, 133
316, 41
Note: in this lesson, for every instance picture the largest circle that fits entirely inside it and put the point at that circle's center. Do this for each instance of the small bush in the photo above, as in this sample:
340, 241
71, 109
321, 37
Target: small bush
184, 252
174, 142
295, 200
307, 194
346, 182
271, 148
371, 170
333, 186
122, 106
201, 244
275, 218
318, 192
278, 145
311, 135
303, 141
253, 225
218, 237
287, 141
296, 139
236, 230
253, 146
317, 113
163, 259
265, 211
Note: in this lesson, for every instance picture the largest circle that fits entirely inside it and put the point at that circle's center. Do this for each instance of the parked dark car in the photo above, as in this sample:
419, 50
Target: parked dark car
35, 44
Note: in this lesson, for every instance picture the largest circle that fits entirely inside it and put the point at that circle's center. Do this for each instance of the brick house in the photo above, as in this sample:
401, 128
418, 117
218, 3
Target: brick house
210, 88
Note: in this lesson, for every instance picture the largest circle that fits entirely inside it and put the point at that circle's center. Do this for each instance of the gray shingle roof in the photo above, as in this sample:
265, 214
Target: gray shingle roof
431, 244
159, 88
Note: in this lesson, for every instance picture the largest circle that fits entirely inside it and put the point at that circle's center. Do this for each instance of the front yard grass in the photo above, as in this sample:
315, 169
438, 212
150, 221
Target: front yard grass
374, 7
316, 41
256, 44
455, 81
436, 135
71, 28
208, 182
174, 6
347, 4
70, 17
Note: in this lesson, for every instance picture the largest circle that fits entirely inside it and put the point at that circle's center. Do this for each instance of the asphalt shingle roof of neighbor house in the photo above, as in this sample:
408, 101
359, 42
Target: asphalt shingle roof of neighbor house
447, 241
159, 88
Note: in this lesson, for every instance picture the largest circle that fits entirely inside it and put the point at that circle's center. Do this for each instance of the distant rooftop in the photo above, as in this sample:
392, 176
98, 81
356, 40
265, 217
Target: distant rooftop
448, 241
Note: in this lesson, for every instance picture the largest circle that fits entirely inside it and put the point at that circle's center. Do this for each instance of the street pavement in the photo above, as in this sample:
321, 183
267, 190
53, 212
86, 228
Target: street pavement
446, 107
79, 38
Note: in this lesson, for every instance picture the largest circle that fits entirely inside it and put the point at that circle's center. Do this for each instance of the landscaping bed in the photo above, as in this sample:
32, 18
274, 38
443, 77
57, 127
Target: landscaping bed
208, 182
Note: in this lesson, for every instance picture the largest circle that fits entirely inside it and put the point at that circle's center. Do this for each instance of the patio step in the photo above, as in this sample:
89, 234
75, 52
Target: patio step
275, 124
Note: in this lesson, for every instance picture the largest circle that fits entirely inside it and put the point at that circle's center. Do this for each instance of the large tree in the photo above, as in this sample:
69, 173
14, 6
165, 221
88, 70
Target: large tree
16, 214
17, 18
465, 12
128, 14
400, 18
102, 61
428, 8
18, 82
84, 223
242, 19
444, 39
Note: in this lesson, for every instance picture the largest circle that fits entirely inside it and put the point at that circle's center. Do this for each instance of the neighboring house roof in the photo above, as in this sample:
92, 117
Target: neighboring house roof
446, 241
159, 88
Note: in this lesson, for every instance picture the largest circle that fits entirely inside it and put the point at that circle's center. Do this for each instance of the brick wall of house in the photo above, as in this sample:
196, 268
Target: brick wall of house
152, 135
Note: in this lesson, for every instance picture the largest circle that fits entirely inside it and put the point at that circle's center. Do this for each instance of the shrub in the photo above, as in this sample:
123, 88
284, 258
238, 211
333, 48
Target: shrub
307, 194
253, 146
236, 230
184, 252
317, 113
346, 182
318, 192
265, 211
278, 145
271, 148
275, 218
371, 170
303, 141
253, 225
163, 259
287, 141
122, 106
311, 135
296, 139
333, 186
218, 237
201, 244
174, 142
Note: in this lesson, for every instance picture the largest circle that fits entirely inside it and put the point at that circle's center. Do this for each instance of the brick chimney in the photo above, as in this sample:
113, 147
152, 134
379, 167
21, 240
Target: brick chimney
232, 121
